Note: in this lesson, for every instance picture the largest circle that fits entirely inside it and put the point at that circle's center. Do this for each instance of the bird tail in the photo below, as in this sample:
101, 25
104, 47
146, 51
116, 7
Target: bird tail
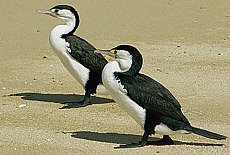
207, 134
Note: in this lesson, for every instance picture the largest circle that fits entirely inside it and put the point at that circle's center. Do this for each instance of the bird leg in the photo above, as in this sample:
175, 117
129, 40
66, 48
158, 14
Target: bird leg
166, 140
144, 139
141, 143
83, 103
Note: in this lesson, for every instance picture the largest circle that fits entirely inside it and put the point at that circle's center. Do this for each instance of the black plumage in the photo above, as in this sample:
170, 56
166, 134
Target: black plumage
151, 95
83, 52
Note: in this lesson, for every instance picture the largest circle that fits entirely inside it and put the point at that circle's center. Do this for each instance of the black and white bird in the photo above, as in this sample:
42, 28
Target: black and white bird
76, 54
148, 102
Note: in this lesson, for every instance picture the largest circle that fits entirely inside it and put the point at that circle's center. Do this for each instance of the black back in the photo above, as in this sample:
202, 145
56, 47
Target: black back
83, 52
152, 96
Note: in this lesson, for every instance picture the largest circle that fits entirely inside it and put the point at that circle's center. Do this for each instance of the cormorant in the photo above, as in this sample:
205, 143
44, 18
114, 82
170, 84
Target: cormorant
148, 102
76, 54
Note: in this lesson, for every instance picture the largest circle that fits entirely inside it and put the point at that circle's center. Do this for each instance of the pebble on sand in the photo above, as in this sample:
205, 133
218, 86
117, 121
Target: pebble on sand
21, 106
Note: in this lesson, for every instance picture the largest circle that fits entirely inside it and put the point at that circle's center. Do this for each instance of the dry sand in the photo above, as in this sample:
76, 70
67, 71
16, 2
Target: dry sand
185, 46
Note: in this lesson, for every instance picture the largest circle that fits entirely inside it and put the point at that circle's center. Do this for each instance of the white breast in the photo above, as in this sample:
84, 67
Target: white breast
60, 47
119, 94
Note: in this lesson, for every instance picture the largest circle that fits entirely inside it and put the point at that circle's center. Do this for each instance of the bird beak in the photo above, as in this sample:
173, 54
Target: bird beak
110, 53
48, 12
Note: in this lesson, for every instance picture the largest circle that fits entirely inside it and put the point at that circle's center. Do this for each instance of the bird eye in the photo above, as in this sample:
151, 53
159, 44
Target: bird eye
114, 51
55, 10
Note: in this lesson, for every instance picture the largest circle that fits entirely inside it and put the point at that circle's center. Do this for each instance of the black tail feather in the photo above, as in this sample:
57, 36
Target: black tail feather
207, 134
179, 125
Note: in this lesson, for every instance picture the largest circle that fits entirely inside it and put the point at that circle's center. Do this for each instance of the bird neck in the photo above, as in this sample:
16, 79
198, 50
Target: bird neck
115, 68
108, 72
68, 28
57, 41
128, 67
111, 67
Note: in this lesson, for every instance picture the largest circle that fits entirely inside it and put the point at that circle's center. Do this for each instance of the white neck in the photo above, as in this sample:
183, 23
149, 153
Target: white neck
118, 65
108, 73
59, 44
110, 68
62, 50
59, 30
124, 65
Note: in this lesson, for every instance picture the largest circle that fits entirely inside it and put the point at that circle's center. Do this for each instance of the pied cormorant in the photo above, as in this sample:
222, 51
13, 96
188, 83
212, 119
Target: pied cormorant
76, 54
148, 102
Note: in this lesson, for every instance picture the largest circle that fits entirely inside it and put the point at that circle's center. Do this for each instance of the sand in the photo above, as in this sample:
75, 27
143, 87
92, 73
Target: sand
185, 46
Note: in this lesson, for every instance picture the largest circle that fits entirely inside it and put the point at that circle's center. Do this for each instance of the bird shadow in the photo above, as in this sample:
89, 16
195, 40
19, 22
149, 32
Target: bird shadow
60, 98
125, 138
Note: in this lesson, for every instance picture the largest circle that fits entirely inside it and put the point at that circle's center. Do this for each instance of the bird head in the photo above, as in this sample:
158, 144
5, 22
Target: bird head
64, 12
128, 57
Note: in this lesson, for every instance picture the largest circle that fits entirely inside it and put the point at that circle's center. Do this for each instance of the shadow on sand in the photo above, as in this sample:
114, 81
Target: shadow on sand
60, 98
124, 138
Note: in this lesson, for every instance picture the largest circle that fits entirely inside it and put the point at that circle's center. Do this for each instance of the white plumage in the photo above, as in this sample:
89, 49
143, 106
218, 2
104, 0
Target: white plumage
119, 94
62, 50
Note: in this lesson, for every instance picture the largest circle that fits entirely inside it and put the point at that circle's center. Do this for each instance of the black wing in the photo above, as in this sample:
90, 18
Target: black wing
83, 52
151, 95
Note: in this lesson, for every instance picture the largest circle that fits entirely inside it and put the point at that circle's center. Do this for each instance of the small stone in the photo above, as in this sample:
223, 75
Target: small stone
45, 56
178, 45
227, 15
21, 106
34, 78
159, 70
3, 88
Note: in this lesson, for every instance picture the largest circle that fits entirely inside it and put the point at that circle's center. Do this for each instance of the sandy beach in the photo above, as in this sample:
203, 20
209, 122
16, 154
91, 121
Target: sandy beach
185, 46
